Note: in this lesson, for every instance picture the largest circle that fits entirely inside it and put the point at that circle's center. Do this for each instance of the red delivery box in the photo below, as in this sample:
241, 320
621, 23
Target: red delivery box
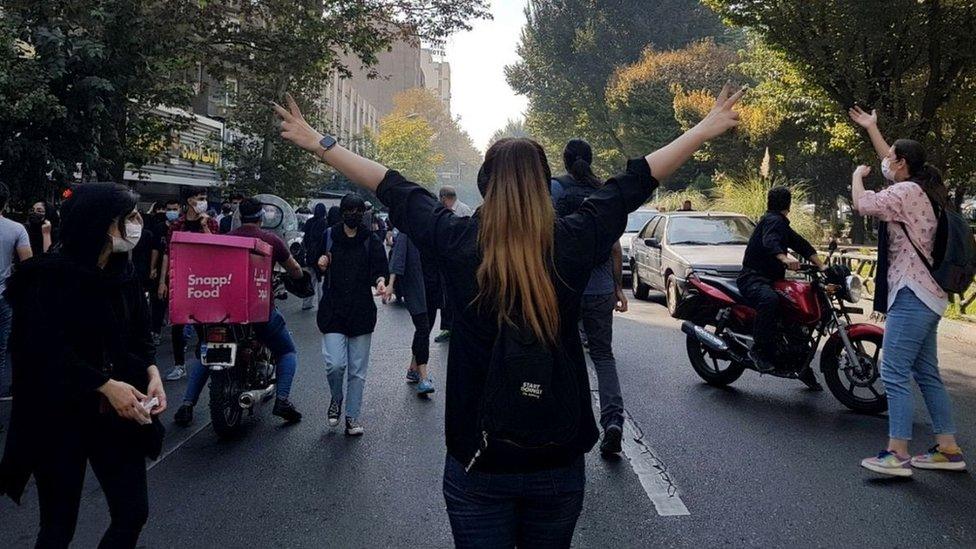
218, 279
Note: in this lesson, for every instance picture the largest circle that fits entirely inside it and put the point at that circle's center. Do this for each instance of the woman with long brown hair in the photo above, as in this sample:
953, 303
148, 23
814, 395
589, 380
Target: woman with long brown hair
518, 405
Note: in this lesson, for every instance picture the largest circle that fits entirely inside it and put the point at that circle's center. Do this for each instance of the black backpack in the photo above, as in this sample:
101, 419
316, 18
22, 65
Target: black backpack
531, 401
954, 254
574, 193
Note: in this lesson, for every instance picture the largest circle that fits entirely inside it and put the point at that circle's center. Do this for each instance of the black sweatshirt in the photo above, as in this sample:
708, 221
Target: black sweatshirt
581, 240
771, 237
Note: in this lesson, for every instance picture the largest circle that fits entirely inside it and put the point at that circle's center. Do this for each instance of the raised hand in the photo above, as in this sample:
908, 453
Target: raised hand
294, 128
862, 118
862, 171
722, 117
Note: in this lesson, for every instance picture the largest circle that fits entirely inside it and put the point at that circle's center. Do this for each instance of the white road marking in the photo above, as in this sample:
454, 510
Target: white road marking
651, 471
166, 454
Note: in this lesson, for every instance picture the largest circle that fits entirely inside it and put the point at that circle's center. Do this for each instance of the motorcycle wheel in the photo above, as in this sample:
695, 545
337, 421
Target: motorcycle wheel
714, 371
854, 386
226, 413
641, 291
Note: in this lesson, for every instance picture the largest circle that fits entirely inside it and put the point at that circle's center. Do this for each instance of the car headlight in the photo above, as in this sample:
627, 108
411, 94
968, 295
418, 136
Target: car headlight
853, 288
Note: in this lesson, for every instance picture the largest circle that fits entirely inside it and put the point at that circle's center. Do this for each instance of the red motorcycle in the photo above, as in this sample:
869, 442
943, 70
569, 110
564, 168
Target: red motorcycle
718, 323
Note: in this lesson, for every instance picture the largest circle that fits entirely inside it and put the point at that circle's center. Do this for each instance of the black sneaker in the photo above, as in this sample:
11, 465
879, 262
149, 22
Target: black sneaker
810, 379
335, 411
611, 440
184, 415
284, 409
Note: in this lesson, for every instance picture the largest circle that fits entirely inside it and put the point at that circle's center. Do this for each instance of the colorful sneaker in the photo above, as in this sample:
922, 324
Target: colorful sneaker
425, 387
937, 459
413, 376
888, 463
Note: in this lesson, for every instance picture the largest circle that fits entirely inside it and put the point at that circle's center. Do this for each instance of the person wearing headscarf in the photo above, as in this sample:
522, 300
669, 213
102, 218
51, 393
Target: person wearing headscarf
312, 242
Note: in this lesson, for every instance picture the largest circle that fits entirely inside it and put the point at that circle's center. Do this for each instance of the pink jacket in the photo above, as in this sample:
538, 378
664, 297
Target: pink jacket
906, 203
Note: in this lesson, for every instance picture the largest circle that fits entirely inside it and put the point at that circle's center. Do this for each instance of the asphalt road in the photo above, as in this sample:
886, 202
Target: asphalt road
765, 463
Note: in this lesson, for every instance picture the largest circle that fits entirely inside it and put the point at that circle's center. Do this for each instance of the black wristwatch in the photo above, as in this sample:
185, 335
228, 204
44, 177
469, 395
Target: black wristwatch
327, 142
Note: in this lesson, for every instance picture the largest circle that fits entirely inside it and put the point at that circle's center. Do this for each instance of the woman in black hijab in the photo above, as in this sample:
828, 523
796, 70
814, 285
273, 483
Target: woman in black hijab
86, 389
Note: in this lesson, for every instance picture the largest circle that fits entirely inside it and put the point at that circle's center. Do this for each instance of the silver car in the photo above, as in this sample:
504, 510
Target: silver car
635, 222
672, 245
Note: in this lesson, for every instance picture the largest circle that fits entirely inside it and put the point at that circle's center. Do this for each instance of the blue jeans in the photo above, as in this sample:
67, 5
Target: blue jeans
6, 320
274, 334
537, 510
910, 349
347, 357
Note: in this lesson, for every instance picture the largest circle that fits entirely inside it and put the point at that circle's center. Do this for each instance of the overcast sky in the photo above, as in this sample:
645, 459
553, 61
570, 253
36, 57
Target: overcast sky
479, 93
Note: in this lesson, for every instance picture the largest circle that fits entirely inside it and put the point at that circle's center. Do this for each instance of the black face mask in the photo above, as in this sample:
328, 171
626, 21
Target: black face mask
35, 218
352, 219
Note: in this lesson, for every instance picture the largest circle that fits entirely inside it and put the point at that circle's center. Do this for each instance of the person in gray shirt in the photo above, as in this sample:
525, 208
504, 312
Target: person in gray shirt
449, 198
14, 243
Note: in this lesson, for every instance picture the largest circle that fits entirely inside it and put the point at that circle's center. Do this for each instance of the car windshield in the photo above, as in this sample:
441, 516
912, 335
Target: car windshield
709, 231
637, 220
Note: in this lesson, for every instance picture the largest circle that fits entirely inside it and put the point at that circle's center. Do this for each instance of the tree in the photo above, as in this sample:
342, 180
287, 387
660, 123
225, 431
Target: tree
406, 143
570, 49
512, 128
274, 46
461, 158
79, 84
912, 60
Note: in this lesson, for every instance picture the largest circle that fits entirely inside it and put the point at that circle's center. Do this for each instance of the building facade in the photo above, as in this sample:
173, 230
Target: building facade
437, 75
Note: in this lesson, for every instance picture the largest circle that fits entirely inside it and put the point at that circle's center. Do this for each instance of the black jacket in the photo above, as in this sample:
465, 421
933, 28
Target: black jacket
581, 240
347, 305
74, 327
407, 264
771, 237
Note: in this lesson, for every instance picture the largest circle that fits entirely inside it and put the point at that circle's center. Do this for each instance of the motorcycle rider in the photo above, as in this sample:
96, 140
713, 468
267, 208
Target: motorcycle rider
766, 260
274, 334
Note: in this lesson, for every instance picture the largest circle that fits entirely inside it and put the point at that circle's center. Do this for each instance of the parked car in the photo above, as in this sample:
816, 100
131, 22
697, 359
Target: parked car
635, 222
672, 245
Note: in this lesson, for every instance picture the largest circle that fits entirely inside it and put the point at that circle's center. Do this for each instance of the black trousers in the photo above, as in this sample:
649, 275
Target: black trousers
447, 314
120, 468
758, 291
421, 338
158, 307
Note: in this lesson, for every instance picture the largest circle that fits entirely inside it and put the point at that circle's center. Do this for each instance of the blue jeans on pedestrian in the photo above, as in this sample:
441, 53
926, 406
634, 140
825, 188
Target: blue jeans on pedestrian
274, 334
347, 358
6, 320
537, 510
910, 349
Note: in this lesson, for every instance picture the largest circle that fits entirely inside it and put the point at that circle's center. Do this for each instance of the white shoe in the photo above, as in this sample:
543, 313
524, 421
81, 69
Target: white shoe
353, 428
176, 374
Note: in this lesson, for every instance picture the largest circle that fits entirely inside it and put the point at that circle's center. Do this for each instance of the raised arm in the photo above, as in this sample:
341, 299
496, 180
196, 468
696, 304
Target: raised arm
666, 160
870, 123
361, 171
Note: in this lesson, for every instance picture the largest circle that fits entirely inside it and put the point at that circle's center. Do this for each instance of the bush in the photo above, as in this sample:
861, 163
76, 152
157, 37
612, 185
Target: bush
673, 200
748, 196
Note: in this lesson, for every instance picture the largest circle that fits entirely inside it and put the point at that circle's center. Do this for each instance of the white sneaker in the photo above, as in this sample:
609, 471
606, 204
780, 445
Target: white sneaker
177, 373
353, 428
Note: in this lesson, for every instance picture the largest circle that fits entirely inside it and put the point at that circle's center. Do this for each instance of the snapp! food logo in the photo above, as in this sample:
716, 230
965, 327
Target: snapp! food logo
206, 287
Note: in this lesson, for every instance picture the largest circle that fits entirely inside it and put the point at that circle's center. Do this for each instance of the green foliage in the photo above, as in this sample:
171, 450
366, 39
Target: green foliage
570, 50
79, 81
670, 201
405, 143
747, 195
512, 128
912, 60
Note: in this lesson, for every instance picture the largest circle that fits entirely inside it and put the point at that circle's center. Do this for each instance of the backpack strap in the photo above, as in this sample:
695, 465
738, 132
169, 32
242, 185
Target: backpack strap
917, 250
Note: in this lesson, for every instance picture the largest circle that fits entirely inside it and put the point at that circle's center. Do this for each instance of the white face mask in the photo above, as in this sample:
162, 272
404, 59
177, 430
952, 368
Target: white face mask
886, 169
133, 231
200, 207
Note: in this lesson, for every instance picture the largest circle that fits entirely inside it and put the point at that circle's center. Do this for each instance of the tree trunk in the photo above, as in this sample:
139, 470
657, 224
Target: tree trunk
857, 228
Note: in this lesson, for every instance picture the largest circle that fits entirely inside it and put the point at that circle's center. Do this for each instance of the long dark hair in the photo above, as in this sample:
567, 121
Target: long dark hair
515, 234
87, 215
920, 171
578, 159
